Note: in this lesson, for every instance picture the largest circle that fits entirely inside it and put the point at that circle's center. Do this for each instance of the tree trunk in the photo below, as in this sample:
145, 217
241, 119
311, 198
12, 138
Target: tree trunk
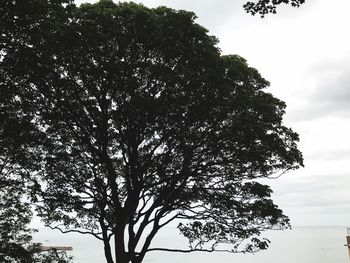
108, 253
121, 256
137, 259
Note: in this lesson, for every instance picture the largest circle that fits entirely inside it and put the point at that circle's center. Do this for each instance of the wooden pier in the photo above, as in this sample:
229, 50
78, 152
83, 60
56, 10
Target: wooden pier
47, 248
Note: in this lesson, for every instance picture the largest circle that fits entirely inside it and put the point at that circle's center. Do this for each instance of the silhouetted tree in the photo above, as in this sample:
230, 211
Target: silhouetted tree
145, 123
19, 137
264, 7
15, 214
18, 140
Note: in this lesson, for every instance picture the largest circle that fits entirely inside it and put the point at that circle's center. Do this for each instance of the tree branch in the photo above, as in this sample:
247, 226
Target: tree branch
75, 231
192, 250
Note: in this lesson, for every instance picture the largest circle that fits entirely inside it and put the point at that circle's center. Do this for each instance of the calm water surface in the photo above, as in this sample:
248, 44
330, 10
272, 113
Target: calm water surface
300, 245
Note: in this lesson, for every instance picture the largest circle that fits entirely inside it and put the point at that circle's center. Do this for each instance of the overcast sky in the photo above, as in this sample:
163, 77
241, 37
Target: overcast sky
305, 54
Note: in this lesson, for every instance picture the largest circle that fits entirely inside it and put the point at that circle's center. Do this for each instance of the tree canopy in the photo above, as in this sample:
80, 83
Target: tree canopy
19, 137
139, 121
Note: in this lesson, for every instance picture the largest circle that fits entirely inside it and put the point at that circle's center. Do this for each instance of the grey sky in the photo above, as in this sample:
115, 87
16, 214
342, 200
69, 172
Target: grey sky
305, 54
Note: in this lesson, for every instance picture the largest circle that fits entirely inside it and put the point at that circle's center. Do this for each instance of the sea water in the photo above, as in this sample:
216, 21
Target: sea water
299, 245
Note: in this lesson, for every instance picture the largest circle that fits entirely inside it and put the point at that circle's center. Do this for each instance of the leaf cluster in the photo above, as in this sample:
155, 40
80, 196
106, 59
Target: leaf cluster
264, 7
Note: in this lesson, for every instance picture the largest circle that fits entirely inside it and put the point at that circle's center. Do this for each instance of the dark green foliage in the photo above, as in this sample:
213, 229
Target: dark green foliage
20, 139
15, 213
14, 217
19, 154
15, 152
264, 7
139, 121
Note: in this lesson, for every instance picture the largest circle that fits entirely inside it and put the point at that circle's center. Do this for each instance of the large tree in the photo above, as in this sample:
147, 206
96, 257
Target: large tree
145, 123
19, 137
